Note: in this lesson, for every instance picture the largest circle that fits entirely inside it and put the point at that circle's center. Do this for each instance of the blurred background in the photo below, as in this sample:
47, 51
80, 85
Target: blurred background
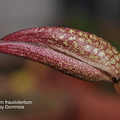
56, 96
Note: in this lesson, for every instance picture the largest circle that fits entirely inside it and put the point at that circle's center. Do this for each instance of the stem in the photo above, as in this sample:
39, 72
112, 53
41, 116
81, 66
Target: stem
117, 87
